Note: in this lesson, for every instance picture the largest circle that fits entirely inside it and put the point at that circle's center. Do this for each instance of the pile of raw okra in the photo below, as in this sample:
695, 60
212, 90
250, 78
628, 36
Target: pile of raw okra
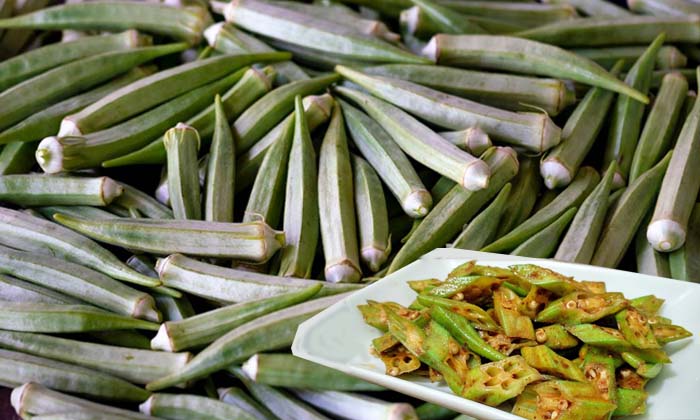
183, 182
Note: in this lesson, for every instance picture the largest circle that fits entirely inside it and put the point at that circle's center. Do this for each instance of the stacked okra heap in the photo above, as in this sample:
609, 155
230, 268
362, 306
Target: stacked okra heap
220, 183
584, 352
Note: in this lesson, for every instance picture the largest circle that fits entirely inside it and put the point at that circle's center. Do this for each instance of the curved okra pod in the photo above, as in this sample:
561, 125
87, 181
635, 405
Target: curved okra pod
133, 198
30, 96
571, 197
317, 109
561, 163
447, 20
544, 243
627, 115
182, 146
191, 407
52, 318
17, 158
241, 399
423, 144
134, 365
496, 382
482, 229
269, 332
185, 23
627, 215
679, 189
522, 197
555, 337
299, 28
202, 329
227, 39
35, 400
230, 284
16, 290
568, 310
79, 282
43, 190
336, 205
529, 130
594, 8
221, 170
19, 368
506, 53
382, 152
547, 361
506, 91
628, 30
285, 370
29, 64
355, 406
458, 206
372, 217
463, 331
668, 56
472, 140
660, 125
250, 241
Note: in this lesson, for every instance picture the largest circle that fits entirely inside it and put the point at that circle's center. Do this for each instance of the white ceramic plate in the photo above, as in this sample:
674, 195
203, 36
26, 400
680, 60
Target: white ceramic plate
339, 338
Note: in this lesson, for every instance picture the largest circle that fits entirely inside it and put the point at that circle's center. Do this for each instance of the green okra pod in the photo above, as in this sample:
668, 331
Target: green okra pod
230, 284
649, 260
182, 145
249, 241
286, 370
16, 290
52, 318
30, 96
595, 8
664, 8
572, 196
191, 407
526, 187
447, 20
240, 398
423, 144
579, 243
472, 140
506, 53
17, 158
627, 215
269, 332
458, 206
79, 282
683, 263
42, 190
561, 164
133, 198
525, 14
221, 169
298, 28
628, 30
336, 205
417, 24
660, 125
202, 329
544, 243
372, 217
185, 23
668, 56
355, 406
529, 130
430, 411
19, 368
301, 214
482, 229
134, 365
392, 165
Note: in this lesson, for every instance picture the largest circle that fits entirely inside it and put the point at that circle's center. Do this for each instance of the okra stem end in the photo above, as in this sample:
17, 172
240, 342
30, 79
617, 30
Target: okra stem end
555, 174
418, 203
476, 176
343, 271
665, 235
162, 340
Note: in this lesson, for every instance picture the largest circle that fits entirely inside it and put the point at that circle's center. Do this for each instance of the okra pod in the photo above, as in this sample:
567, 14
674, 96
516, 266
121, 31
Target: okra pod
472, 140
529, 130
250, 241
17, 158
182, 146
191, 407
561, 164
649, 260
184, 23
336, 205
298, 28
79, 282
523, 195
572, 196
392, 165
627, 215
416, 23
506, 53
579, 243
660, 125
301, 214
482, 229
241, 399
221, 169
230, 284
372, 217
683, 263
430, 411
16, 290
668, 57
664, 8
200, 330
19, 368
272, 331
285, 370
456, 208
133, 198
447, 20
355, 406
134, 365
30, 96
595, 8
423, 144
52, 318
42, 190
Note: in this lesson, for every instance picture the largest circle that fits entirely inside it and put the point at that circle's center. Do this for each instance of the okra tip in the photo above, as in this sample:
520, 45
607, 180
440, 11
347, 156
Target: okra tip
344, 271
665, 235
418, 203
555, 173
476, 176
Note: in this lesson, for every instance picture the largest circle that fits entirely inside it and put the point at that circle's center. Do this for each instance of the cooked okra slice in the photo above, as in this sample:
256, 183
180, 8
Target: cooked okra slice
596, 335
495, 382
593, 286
481, 319
375, 313
503, 343
419, 286
627, 378
547, 361
535, 300
398, 360
555, 337
580, 308
599, 370
547, 279
648, 305
635, 328
613, 356
665, 333
463, 331
630, 402
567, 400
384, 343
505, 303
643, 369
474, 289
